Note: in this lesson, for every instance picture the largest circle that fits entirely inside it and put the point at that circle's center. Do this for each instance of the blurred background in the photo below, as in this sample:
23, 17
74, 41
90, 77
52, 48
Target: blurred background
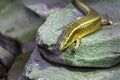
19, 21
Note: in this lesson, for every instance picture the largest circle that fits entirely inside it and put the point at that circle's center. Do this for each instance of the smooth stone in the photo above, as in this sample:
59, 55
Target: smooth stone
39, 69
99, 49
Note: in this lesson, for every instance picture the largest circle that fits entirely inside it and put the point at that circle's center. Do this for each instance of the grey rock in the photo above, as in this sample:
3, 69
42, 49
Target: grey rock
18, 22
9, 49
45, 7
39, 69
16, 70
99, 49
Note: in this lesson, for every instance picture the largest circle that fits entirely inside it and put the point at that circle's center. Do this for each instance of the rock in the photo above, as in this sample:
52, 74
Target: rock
18, 22
99, 49
9, 49
2, 72
16, 71
10, 44
20, 25
6, 60
46, 7
39, 69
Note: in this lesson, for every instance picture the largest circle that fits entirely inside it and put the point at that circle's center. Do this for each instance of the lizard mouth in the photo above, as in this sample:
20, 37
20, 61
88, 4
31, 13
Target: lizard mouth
62, 46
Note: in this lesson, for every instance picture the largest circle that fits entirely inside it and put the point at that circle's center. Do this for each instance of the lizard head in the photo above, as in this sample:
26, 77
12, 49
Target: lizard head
65, 42
63, 45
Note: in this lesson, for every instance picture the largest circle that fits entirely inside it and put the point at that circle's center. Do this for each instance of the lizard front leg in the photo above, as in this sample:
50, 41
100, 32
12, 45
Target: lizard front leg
77, 44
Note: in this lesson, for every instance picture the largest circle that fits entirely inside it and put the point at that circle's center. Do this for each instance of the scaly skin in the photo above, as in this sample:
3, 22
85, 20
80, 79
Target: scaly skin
80, 28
